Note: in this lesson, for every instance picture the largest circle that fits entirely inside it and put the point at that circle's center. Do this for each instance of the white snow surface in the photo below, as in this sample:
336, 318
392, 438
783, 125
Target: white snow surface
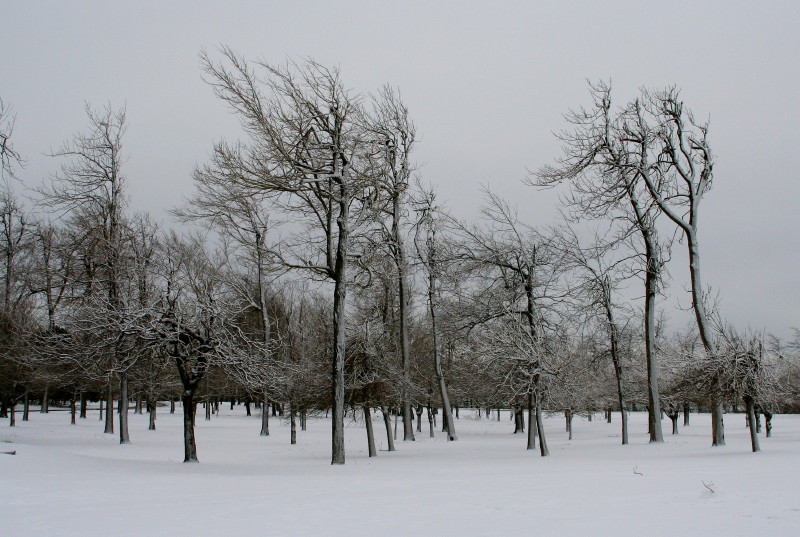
73, 480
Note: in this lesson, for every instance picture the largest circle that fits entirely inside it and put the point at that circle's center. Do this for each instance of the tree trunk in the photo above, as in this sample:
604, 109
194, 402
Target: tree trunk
653, 402
339, 318
189, 411
540, 425
418, 410
615, 359
531, 421
447, 419
519, 423
387, 422
751, 414
717, 424
72, 411
109, 411
768, 422
124, 438
26, 408
171, 406
83, 405
208, 410
247, 408
137, 409
703, 328
430, 420
45, 408
12, 422
673, 415
152, 407
403, 304
293, 425
303, 420
685, 414
568, 416
370, 434
265, 416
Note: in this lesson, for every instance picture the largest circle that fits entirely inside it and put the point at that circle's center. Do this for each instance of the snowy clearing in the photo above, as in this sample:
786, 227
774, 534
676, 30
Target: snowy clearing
74, 480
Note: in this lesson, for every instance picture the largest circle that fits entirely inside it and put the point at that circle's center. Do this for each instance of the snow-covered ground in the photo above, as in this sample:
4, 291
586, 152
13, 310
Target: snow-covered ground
73, 480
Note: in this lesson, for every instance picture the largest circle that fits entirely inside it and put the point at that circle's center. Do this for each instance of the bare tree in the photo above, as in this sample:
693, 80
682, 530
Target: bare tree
603, 162
241, 218
598, 281
429, 251
9, 157
306, 150
395, 136
526, 265
677, 170
92, 188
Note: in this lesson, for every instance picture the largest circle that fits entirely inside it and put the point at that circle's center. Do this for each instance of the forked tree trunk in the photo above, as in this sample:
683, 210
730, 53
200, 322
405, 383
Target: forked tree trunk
370, 434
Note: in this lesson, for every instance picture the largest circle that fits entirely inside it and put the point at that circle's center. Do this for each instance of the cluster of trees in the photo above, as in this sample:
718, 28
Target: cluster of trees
328, 279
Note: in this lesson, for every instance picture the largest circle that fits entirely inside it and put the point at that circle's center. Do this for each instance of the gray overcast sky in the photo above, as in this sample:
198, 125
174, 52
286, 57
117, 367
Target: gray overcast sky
486, 84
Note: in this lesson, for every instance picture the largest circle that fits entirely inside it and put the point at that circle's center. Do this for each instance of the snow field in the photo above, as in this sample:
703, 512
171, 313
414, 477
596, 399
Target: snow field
69, 480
